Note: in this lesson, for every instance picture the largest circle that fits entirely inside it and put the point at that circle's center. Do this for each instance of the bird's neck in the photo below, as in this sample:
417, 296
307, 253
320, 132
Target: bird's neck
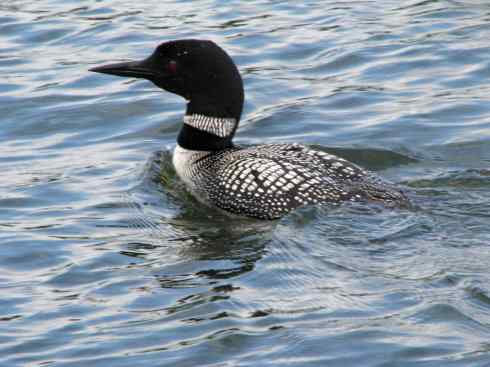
205, 133
210, 126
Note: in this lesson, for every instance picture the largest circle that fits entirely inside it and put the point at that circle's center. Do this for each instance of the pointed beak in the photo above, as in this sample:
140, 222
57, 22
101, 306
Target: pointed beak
134, 69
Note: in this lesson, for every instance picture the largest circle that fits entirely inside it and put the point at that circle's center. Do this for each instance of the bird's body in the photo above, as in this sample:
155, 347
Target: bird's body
268, 181
263, 181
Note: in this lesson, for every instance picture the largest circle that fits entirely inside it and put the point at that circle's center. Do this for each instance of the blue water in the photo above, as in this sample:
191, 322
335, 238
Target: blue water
105, 260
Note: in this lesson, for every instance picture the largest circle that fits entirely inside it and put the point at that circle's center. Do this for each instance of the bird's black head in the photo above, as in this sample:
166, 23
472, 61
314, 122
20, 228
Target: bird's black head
198, 70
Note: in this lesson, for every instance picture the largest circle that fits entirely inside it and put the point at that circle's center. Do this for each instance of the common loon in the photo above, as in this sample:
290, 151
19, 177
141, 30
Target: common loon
264, 181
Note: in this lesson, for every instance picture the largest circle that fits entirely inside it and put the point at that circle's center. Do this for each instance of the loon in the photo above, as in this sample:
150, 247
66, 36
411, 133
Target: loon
264, 181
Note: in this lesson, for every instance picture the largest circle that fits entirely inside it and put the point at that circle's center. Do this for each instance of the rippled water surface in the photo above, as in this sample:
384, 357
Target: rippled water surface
105, 260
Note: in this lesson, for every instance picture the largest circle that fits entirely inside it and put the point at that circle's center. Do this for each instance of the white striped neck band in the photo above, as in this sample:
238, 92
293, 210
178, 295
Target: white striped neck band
220, 126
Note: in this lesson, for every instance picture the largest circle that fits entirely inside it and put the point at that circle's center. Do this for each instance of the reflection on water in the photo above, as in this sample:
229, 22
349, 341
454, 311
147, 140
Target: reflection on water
105, 259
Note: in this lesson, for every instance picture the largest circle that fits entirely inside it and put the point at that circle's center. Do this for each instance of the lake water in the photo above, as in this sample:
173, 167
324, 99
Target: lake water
105, 260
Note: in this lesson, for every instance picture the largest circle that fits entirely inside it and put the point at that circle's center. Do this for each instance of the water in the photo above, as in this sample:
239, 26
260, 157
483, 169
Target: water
105, 260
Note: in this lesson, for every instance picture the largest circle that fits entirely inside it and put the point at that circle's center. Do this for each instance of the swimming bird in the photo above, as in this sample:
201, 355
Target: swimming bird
264, 181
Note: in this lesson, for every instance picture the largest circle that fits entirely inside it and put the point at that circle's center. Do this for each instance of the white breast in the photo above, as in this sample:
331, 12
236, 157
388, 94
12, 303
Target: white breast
183, 161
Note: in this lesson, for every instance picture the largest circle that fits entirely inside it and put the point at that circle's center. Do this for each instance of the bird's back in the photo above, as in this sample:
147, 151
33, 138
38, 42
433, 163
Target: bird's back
268, 181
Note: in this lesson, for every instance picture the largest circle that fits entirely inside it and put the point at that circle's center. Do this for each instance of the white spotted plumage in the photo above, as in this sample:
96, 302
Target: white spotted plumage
268, 181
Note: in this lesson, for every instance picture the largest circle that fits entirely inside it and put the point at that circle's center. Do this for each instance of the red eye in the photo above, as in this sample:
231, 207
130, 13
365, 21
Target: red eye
172, 67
